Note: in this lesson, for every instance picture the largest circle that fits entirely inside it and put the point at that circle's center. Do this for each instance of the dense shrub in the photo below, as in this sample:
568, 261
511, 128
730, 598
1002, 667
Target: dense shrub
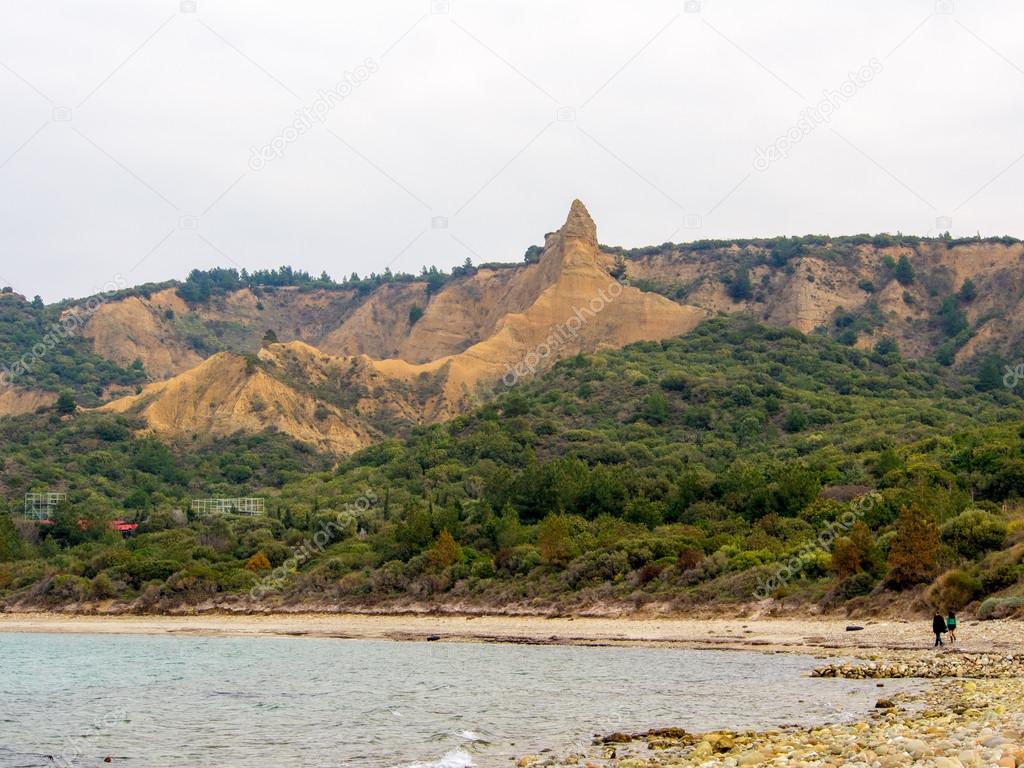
974, 532
954, 590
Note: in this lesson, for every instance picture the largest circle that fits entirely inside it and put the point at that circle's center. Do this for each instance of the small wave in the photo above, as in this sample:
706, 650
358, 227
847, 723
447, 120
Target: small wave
454, 759
471, 736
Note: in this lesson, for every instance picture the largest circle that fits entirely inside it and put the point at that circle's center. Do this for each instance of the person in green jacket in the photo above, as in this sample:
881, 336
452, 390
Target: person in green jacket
951, 627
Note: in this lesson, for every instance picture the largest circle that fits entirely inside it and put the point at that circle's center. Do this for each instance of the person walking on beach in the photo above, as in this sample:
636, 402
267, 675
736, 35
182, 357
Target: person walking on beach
938, 627
951, 627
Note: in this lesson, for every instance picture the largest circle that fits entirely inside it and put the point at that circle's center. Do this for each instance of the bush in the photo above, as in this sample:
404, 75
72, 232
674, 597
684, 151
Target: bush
954, 590
103, 587
258, 563
597, 567
854, 586
66, 588
999, 578
974, 532
483, 568
999, 607
517, 561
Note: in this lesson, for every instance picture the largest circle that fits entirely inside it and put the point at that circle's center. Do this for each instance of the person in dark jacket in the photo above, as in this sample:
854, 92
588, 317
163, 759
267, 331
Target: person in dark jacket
938, 627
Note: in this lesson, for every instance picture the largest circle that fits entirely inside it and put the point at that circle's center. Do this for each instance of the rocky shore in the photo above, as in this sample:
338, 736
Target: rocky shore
971, 717
965, 665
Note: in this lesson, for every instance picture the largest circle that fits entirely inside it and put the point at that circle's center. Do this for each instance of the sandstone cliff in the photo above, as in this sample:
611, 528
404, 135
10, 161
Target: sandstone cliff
354, 365
567, 303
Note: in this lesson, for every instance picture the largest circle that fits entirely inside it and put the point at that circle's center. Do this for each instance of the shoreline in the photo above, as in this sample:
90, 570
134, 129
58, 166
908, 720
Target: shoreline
807, 635
953, 723
969, 713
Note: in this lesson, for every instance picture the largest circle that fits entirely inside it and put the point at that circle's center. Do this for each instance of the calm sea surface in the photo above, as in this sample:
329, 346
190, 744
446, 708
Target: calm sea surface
161, 701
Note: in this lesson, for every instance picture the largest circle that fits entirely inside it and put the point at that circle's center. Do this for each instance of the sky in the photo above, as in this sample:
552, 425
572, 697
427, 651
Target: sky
142, 139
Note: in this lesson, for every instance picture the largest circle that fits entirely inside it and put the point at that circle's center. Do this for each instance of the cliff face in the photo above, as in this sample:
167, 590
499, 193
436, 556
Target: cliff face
351, 368
15, 401
813, 288
564, 304
170, 336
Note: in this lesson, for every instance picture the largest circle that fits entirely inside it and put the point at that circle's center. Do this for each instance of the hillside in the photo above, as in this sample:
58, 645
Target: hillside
957, 301
564, 304
689, 472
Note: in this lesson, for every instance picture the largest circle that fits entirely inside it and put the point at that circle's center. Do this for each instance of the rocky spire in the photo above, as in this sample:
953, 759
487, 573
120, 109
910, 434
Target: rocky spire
579, 224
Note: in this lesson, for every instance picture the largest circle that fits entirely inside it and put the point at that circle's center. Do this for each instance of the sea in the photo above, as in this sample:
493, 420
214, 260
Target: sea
155, 701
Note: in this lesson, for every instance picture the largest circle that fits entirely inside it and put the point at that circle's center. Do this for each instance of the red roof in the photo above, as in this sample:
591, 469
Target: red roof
117, 525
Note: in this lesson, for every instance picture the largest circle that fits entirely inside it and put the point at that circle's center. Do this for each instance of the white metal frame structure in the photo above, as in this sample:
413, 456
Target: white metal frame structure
248, 505
40, 506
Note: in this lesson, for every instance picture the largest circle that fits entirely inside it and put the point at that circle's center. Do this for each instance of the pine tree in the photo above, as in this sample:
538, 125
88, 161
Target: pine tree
904, 271
445, 552
914, 553
740, 288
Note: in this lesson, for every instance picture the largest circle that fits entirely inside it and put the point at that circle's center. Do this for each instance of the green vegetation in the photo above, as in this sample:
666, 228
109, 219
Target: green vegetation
38, 351
903, 272
203, 285
682, 472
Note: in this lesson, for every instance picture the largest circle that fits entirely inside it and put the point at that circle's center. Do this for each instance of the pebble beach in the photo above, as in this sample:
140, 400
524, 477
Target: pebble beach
970, 716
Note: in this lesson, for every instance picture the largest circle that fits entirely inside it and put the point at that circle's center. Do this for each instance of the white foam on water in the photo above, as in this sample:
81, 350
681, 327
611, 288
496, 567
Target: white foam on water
457, 758
470, 736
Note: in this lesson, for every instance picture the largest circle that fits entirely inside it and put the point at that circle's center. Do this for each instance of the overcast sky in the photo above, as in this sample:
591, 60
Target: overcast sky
134, 135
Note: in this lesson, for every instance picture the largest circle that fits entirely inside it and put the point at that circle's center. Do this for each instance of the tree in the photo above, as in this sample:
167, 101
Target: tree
740, 288
415, 313
66, 404
553, 540
888, 349
257, 563
887, 461
855, 553
914, 552
967, 291
270, 337
10, 541
951, 317
445, 553
990, 373
508, 532
37, 302
904, 271
796, 420
655, 408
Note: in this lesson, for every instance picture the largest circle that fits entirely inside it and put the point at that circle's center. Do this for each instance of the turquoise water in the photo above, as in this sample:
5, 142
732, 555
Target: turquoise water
154, 701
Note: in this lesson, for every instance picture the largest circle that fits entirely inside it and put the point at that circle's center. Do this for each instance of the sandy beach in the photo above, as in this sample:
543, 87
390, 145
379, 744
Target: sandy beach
808, 635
